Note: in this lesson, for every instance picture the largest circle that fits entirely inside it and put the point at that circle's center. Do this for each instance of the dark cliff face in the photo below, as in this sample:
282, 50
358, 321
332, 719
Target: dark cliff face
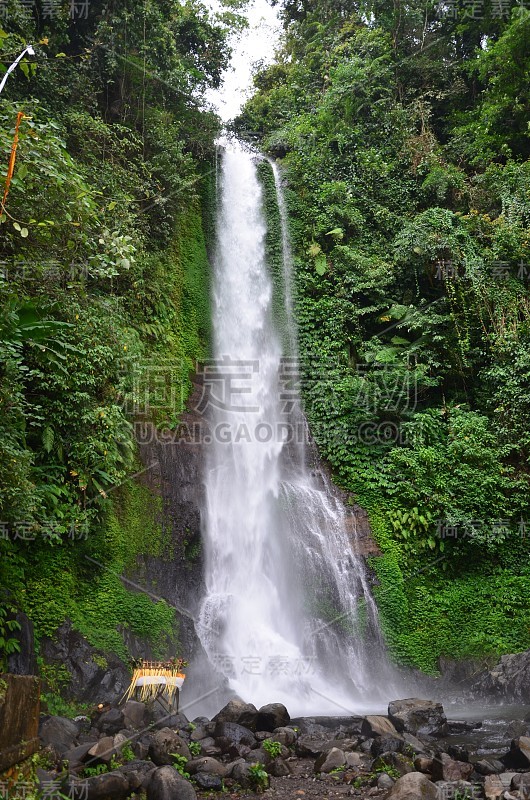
174, 462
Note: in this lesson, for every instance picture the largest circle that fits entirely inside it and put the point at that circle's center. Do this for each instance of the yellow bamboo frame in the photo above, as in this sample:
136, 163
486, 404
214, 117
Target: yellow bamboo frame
153, 669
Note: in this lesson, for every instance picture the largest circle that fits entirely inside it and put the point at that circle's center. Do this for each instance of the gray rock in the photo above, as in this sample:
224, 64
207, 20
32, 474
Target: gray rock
384, 781
102, 751
135, 715
138, 773
100, 787
353, 760
272, 716
487, 767
414, 745
241, 773
424, 717
330, 760
208, 766
258, 756
278, 768
212, 782
77, 755
398, 761
111, 721
59, 733
459, 752
376, 725
237, 751
239, 712
140, 750
309, 747
233, 733
286, 736
163, 744
414, 786
444, 768
366, 746
199, 734
166, 783
160, 719
387, 744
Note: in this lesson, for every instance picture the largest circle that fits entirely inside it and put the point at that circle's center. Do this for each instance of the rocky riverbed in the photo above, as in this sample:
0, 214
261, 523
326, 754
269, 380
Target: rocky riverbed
412, 752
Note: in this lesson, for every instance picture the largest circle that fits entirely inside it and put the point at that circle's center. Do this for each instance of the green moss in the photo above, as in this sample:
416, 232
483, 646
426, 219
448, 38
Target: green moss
88, 583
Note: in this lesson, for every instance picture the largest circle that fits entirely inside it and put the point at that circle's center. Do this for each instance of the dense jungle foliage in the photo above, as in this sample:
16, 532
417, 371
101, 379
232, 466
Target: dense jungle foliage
404, 137
104, 294
403, 133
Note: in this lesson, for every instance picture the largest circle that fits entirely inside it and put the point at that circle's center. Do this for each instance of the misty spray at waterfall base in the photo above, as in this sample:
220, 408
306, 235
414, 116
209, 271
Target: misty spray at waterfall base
287, 614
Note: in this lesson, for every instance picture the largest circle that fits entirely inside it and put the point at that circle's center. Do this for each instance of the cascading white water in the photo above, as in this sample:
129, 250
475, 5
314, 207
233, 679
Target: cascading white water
287, 614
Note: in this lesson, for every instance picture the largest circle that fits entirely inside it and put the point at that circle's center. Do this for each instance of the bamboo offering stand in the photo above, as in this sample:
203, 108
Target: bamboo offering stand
154, 680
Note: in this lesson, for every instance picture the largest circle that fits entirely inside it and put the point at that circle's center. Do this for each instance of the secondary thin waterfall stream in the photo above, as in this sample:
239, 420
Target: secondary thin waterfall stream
287, 614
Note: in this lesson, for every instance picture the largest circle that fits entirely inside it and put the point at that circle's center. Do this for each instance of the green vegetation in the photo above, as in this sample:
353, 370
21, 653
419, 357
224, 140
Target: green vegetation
258, 777
104, 293
274, 749
404, 144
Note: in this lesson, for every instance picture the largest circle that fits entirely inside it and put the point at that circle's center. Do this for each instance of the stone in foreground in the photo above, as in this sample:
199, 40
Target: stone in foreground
414, 786
167, 784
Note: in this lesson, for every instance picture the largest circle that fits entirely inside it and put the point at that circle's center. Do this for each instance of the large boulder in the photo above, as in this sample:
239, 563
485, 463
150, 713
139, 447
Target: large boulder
237, 711
164, 744
166, 783
272, 716
414, 786
59, 733
230, 733
424, 717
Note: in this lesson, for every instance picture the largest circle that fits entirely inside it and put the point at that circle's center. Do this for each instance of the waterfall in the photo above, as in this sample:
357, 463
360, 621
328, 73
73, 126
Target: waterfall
287, 614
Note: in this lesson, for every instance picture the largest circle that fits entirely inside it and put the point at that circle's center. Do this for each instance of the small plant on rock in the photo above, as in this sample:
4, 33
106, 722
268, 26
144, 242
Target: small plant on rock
194, 748
274, 749
258, 777
179, 762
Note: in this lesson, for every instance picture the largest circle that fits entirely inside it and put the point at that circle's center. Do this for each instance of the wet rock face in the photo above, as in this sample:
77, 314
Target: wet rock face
90, 682
509, 679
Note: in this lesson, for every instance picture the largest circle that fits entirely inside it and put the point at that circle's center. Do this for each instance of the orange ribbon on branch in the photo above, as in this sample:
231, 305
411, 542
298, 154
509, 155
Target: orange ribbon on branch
12, 157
